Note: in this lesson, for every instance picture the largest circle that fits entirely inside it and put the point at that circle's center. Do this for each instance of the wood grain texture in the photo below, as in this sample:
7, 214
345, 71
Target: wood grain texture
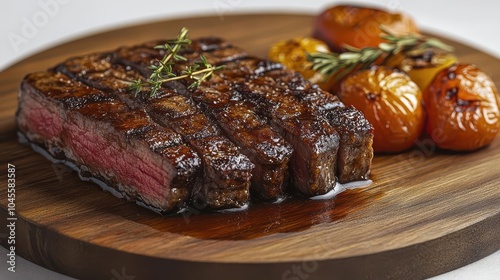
426, 213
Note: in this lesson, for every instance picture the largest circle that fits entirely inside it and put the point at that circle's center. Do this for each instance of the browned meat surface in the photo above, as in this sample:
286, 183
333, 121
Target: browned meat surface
226, 174
102, 135
315, 141
356, 138
356, 133
265, 147
254, 127
355, 147
268, 150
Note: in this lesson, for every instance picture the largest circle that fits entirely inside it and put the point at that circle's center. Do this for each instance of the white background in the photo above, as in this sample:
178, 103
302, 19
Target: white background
474, 22
32, 25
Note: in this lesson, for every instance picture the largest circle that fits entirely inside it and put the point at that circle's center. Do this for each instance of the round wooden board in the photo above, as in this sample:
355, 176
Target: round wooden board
426, 213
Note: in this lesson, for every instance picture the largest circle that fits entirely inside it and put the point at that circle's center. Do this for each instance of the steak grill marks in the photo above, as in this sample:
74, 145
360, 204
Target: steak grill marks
313, 165
356, 133
225, 179
253, 121
108, 139
355, 148
268, 151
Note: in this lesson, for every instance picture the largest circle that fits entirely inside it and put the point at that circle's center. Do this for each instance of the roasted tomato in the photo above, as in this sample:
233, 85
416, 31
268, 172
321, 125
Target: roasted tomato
359, 26
292, 54
422, 68
392, 103
463, 107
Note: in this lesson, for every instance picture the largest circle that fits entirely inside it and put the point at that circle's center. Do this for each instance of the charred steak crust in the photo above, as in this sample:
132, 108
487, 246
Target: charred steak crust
254, 126
313, 164
235, 119
104, 136
268, 151
356, 133
225, 179
314, 141
238, 120
355, 152
355, 147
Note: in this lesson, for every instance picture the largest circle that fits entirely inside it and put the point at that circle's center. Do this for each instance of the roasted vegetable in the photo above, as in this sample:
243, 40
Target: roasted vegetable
358, 26
463, 108
392, 104
424, 66
293, 54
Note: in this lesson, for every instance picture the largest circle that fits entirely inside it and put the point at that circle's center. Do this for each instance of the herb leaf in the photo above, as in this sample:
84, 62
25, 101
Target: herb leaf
339, 65
163, 69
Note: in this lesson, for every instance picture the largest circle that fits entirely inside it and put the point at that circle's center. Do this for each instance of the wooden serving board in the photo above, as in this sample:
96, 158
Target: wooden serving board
426, 213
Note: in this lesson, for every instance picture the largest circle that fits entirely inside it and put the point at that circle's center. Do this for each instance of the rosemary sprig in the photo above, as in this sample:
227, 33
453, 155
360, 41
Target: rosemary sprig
163, 69
339, 65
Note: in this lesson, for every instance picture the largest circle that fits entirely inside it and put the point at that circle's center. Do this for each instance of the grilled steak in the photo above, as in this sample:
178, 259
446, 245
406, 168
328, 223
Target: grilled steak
237, 119
254, 127
226, 175
356, 133
355, 151
267, 150
315, 142
105, 137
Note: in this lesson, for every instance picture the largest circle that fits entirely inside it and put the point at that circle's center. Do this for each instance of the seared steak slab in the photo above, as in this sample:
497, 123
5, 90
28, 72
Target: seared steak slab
104, 136
355, 147
226, 177
356, 133
254, 127
238, 121
315, 142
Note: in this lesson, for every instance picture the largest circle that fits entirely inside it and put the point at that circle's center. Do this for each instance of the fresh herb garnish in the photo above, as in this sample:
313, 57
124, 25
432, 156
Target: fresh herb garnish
339, 65
163, 69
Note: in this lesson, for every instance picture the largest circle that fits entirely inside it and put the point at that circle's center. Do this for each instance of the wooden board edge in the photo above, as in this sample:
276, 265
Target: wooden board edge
84, 260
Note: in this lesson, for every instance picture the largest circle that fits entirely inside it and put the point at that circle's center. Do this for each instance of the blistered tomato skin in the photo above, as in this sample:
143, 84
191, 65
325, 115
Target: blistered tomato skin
292, 54
463, 108
391, 102
358, 26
